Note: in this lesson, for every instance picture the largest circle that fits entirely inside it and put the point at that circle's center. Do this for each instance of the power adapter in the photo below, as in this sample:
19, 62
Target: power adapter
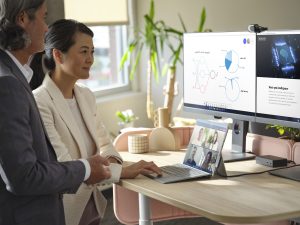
271, 161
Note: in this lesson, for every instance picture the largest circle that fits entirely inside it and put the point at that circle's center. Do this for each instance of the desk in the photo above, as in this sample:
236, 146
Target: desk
247, 199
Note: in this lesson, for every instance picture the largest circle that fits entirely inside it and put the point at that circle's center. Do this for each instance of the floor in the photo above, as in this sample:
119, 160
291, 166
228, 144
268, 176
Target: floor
110, 219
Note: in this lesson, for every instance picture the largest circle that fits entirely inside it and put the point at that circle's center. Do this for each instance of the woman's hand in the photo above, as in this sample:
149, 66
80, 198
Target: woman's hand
141, 167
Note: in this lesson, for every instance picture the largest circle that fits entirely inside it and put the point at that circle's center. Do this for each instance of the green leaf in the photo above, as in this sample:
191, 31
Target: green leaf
149, 22
281, 131
202, 20
124, 59
121, 116
172, 30
151, 12
182, 23
153, 60
137, 60
130, 49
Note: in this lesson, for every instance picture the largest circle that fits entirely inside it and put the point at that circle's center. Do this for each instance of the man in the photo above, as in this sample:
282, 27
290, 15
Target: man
191, 161
32, 181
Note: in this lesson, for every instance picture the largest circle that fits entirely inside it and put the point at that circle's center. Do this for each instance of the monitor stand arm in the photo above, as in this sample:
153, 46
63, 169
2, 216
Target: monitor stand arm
239, 134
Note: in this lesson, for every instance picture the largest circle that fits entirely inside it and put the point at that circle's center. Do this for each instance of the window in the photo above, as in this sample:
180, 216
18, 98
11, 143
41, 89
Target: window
105, 75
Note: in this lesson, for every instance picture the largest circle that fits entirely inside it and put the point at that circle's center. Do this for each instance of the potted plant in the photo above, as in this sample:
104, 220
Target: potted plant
286, 132
126, 118
153, 37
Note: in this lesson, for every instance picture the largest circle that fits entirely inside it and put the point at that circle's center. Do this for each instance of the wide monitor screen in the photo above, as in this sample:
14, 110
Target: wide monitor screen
278, 77
219, 73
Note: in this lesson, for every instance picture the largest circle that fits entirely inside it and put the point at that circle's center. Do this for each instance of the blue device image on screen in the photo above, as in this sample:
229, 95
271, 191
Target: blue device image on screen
284, 57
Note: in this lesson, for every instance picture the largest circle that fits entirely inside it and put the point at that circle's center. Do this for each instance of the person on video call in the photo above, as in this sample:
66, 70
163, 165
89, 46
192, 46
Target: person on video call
69, 112
206, 161
213, 144
32, 181
200, 134
191, 161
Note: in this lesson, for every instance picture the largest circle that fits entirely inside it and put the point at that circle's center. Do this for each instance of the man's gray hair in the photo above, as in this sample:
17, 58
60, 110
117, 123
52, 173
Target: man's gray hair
12, 36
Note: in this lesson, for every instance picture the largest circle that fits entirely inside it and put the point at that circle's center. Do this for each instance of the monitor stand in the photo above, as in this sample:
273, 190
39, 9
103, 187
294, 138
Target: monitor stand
238, 151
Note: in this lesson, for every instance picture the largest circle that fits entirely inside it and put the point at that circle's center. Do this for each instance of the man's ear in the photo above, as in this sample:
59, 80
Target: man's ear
22, 19
58, 56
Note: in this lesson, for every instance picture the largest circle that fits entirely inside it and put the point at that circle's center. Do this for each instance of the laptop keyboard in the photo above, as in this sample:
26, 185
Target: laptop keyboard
181, 170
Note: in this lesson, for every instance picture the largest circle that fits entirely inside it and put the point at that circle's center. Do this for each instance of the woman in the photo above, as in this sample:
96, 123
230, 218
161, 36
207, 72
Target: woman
206, 162
70, 116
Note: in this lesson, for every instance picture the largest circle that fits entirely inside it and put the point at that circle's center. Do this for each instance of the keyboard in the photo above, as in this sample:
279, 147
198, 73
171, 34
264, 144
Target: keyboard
181, 170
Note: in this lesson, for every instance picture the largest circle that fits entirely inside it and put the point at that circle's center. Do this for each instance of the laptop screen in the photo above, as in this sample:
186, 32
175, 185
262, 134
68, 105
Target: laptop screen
206, 143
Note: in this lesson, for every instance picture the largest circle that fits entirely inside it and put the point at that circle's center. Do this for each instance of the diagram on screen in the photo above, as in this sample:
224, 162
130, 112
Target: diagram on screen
232, 65
232, 88
220, 70
231, 61
202, 74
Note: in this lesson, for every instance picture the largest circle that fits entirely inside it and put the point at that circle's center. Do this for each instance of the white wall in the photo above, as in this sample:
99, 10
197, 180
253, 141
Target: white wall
222, 15
107, 107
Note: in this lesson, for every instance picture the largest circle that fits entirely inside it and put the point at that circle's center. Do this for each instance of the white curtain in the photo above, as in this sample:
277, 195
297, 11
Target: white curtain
97, 12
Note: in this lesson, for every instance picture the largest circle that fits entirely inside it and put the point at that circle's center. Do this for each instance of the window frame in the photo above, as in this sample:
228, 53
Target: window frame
117, 41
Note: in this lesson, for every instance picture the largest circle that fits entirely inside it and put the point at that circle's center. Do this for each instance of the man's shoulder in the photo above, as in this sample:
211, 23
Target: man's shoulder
4, 69
7, 81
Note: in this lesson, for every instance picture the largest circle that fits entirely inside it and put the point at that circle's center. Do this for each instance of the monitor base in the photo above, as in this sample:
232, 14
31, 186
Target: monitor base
236, 156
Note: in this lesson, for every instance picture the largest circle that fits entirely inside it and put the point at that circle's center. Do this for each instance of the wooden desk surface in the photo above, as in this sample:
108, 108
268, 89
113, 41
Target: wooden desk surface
245, 199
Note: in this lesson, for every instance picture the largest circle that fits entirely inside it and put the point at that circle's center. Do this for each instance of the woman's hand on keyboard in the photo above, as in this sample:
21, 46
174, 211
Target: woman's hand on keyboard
141, 167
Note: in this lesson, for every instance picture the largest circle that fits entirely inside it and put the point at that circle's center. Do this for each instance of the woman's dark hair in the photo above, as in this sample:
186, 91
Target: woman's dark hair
12, 36
61, 36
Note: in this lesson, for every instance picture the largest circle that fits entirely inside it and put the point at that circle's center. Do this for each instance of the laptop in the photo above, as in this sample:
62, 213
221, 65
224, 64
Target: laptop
202, 156
292, 173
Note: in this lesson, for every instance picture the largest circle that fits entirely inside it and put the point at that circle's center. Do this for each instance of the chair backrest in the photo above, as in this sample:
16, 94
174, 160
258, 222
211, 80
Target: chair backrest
296, 152
182, 133
264, 145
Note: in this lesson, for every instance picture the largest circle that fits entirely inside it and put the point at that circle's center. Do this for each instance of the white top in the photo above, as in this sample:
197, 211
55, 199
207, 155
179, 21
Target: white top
90, 145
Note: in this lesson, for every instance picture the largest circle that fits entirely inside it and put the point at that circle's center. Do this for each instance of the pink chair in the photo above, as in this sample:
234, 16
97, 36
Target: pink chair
264, 145
122, 196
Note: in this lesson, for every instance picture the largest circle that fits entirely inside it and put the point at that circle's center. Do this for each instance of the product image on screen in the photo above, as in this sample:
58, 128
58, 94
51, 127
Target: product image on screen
278, 75
219, 72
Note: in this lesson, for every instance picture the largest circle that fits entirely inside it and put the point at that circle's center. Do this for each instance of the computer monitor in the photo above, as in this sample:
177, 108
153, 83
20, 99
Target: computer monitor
244, 77
219, 74
278, 78
220, 79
